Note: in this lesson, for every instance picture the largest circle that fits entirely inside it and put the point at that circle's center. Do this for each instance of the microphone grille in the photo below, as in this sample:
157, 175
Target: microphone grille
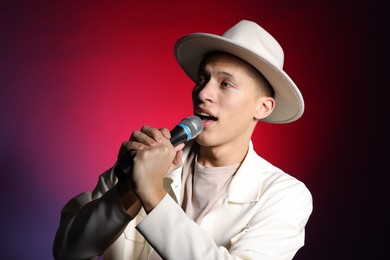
195, 125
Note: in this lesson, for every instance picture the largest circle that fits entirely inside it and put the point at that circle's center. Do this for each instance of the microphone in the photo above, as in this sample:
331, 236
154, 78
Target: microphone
186, 130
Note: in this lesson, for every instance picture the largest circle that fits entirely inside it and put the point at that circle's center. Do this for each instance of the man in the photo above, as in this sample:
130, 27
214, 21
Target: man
215, 198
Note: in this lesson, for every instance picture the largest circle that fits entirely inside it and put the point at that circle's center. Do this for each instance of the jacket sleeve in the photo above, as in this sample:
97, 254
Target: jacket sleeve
91, 221
275, 231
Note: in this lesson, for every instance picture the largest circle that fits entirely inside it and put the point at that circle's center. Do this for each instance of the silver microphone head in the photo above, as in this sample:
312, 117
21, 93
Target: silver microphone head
195, 125
187, 129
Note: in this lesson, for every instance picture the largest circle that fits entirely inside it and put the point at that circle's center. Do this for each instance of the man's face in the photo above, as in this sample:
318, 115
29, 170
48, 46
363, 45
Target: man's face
226, 97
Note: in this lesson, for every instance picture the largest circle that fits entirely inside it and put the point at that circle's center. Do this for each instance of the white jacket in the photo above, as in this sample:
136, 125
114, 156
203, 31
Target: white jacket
262, 216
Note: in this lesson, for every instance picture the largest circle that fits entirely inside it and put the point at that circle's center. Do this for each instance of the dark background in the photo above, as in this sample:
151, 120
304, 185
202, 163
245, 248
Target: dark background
76, 77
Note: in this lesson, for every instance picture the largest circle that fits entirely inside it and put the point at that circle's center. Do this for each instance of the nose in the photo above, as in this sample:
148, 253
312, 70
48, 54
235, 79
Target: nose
205, 92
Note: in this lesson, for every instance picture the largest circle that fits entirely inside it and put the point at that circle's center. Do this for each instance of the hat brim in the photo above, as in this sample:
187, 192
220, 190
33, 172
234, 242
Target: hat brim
190, 50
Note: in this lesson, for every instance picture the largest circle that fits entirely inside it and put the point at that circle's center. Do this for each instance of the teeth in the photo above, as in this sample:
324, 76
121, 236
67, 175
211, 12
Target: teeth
203, 114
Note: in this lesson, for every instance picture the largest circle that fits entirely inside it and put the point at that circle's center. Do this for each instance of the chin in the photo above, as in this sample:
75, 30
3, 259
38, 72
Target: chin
205, 140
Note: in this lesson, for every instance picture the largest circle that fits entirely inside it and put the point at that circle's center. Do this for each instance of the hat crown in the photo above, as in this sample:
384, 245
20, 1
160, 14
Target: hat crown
258, 40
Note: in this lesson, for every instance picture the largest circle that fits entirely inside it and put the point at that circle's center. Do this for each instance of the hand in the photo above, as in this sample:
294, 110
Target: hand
153, 158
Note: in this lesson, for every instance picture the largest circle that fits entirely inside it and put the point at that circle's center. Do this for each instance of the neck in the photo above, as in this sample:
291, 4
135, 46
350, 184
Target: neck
222, 155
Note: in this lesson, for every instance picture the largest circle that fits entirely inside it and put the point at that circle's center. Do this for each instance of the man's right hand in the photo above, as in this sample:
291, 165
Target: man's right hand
153, 158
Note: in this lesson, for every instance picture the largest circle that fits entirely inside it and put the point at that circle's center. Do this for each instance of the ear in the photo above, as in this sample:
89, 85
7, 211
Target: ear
264, 107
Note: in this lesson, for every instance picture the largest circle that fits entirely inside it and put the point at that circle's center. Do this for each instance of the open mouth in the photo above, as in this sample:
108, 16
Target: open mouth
206, 117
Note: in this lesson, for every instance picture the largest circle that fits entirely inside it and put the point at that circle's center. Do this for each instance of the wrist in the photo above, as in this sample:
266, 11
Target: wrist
128, 197
150, 198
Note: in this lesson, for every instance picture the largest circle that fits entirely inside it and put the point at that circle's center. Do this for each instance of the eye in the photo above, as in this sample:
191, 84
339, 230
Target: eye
201, 81
226, 84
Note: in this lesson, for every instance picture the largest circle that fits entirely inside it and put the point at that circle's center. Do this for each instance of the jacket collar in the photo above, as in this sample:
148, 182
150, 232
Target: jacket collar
245, 186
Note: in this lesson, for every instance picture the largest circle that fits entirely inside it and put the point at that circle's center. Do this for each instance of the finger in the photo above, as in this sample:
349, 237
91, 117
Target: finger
154, 133
141, 137
165, 132
130, 147
179, 147
178, 161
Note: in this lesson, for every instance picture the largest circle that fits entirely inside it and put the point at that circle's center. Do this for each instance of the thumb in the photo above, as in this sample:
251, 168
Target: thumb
178, 161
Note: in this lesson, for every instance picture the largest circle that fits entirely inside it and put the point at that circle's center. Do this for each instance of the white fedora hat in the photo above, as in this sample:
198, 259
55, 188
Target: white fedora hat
250, 42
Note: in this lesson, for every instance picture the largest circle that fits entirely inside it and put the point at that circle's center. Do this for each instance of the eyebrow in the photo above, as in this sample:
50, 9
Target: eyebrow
226, 74
203, 70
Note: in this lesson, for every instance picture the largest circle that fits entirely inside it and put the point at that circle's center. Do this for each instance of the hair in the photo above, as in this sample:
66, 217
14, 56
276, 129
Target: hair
264, 85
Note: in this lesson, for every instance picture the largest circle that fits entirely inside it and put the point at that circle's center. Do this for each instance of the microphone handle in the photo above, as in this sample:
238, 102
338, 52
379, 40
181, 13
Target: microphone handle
180, 134
124, 167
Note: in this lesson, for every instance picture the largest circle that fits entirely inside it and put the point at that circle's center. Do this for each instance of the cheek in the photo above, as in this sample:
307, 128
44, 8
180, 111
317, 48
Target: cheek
240, 108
